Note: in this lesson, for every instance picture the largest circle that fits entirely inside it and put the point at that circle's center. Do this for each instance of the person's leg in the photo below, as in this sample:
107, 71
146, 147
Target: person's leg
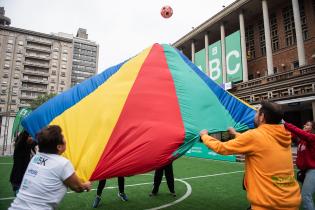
170, 177
15, 189
121, 186
157, 180
100, 187
308, 190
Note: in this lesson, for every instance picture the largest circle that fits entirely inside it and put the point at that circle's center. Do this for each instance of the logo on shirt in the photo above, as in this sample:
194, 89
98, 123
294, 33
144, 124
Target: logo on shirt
32, 172
40, 160
283, 181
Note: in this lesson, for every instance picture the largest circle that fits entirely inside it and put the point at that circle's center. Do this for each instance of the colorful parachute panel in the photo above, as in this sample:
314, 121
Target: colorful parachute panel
139, 115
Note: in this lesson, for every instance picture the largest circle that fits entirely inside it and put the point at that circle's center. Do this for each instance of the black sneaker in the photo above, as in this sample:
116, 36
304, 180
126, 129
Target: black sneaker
152, 194
96, 201
123, 196
173, 194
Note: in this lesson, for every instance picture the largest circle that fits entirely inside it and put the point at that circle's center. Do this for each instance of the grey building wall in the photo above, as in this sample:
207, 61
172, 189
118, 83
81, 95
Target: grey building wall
85, 58
31, 64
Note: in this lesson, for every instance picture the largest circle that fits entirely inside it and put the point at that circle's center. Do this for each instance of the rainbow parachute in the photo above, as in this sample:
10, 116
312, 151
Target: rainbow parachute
139, 115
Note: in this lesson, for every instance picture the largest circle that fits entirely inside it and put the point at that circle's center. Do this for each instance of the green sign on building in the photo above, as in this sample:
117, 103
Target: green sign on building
200, 60
215, 66
201, 151
233, 57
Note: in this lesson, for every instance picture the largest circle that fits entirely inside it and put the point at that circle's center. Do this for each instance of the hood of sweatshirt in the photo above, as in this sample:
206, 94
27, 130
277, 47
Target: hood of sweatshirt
278, 132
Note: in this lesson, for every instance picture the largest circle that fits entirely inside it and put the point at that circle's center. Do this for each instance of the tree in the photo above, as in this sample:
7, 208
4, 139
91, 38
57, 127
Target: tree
41, 99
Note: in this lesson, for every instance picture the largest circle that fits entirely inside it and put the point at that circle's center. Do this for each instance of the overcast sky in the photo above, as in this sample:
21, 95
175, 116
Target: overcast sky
122, 28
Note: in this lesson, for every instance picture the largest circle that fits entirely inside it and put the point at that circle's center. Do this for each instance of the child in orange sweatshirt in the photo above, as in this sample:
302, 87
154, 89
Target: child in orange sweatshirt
269, 174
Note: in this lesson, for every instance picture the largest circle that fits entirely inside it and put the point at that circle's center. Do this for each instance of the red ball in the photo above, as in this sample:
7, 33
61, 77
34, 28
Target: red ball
166, 11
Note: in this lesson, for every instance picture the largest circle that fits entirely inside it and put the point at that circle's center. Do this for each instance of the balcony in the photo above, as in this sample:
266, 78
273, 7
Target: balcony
34, 89
26, 97
37, 73
38, 81
35, 64
37, 48
36, 56
38, 41
285, 85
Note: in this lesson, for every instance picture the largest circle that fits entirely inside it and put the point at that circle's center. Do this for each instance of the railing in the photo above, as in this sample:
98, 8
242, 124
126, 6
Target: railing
44, 42
29, 63
40, 81
42, 57
276, 77
42, 49
34, 89
296, 83
41, 73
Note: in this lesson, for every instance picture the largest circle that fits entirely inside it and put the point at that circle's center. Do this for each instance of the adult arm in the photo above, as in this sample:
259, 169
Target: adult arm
299, 132
76, 184
241, 144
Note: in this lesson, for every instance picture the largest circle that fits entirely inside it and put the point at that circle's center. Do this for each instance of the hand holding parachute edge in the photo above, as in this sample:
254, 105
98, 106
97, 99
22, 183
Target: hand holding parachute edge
232, 131
202, 132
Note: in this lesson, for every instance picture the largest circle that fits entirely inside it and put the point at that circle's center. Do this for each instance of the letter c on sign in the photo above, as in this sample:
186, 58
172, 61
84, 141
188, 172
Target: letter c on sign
236, 54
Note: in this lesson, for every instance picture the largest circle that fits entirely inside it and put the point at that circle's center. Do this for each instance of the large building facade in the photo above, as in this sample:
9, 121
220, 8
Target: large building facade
85, 57
33, 63
266, 49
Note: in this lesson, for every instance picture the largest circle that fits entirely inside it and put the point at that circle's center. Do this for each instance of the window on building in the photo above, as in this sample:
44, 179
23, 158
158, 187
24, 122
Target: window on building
288, 23
250, 43
262, 42
274, 32
295, 64
303, 20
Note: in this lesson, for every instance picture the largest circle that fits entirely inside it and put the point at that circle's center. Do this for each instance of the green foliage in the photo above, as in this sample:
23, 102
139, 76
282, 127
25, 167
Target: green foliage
41, 99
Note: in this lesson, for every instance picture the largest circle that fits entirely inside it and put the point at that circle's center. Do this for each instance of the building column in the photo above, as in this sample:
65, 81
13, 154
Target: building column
223, 52
313, 108
207, 53
267, 37
193, 51
243, 46
298, 32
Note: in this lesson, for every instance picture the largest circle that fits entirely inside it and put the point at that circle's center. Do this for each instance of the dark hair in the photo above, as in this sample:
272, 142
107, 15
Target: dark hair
313, 125
22, 137
272, 112
48, 139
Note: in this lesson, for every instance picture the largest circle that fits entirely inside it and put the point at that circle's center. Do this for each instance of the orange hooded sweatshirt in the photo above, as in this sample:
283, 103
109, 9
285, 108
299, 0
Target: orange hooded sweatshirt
269, 174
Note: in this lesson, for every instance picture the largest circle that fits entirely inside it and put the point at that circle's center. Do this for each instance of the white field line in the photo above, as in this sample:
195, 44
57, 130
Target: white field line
147, 183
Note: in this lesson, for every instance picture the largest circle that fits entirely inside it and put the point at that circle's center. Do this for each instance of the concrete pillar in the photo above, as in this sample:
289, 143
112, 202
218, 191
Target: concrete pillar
223, 52
298, 33
243, 46
313, 108
267, 37
193, 51
207, 53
